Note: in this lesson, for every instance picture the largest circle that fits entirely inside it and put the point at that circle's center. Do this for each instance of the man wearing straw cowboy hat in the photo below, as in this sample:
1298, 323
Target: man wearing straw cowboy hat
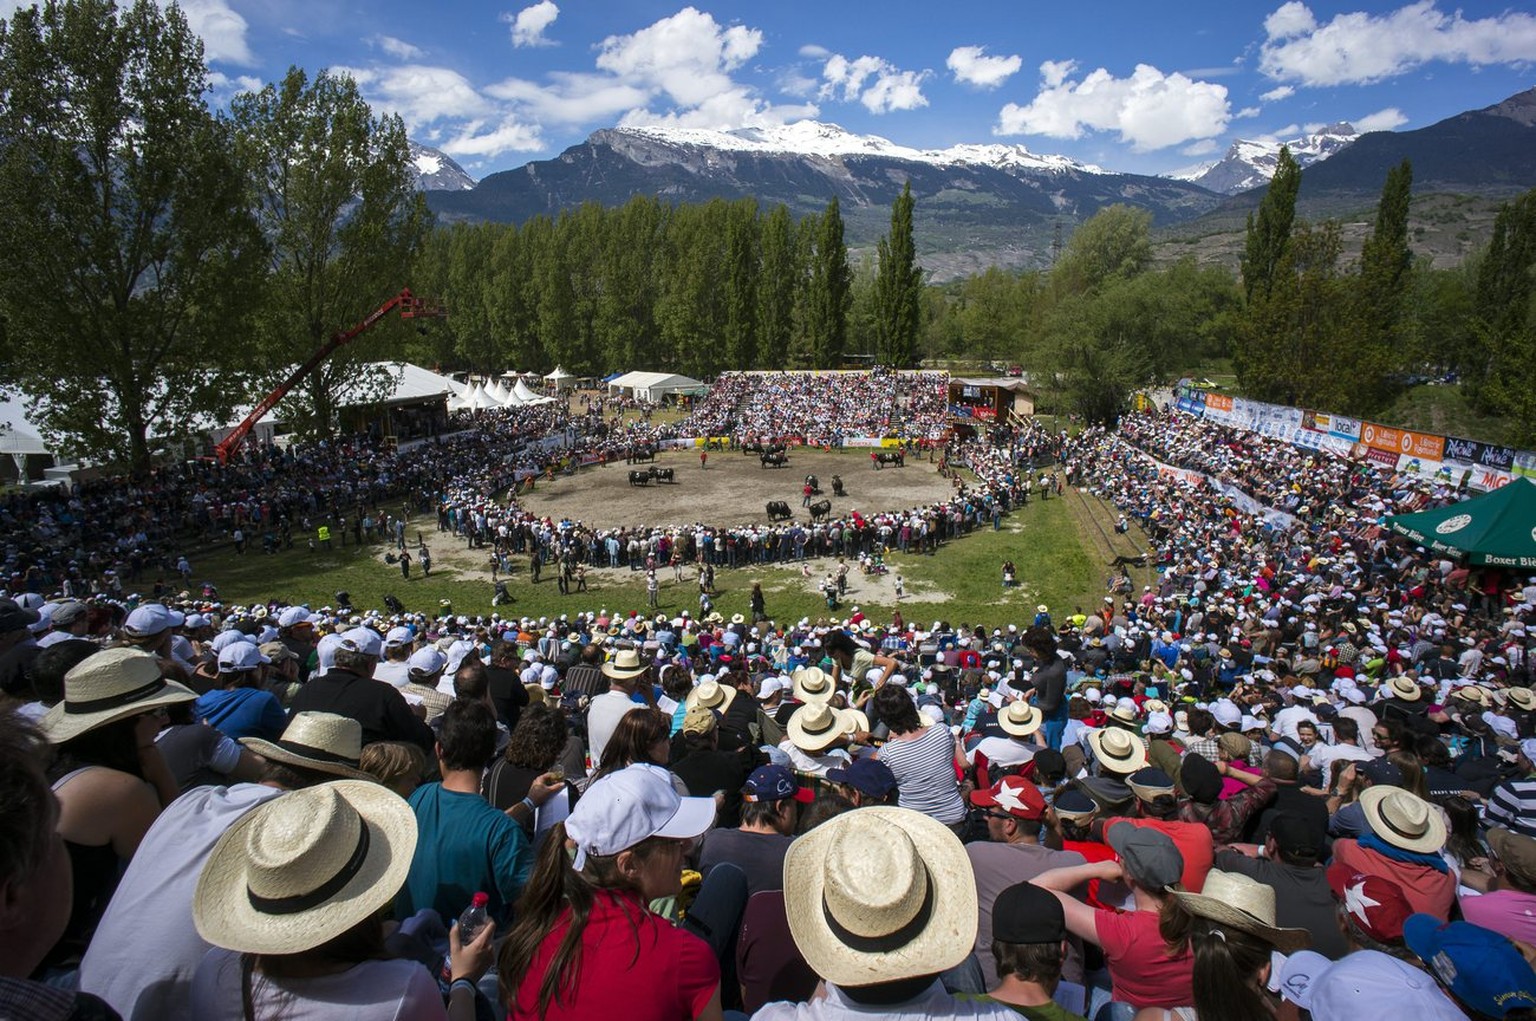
146, 948
1020, 723
1406, 837
624, 673
815, 735
880, 902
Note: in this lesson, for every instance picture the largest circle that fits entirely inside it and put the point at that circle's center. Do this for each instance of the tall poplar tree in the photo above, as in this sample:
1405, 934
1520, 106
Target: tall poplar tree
1270, 232
829, 292
127, 248
898, 287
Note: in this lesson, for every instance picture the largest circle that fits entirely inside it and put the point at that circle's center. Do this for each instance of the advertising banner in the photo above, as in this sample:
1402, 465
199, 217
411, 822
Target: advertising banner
1425, 446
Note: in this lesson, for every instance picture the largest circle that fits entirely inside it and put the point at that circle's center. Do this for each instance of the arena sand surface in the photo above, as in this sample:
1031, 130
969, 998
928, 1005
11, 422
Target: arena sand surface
733, 489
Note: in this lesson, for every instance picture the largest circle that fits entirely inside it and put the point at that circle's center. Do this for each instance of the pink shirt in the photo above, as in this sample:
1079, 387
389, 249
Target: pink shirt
1507, 912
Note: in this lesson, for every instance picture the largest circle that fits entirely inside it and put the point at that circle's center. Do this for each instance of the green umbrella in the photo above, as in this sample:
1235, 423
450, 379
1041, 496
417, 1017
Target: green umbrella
1497, 529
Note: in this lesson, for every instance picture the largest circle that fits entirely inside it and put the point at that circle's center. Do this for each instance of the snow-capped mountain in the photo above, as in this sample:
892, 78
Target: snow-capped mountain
1251, 163
435, 171
815, 138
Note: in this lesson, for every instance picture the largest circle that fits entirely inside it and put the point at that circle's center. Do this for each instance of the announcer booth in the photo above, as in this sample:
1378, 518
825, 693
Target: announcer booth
984, 402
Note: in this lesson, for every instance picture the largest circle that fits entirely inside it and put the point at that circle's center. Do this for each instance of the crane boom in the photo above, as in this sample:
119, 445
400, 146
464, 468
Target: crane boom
410, 306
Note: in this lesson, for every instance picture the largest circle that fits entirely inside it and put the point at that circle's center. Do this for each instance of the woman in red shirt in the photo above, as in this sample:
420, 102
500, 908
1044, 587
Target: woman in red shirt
585, 945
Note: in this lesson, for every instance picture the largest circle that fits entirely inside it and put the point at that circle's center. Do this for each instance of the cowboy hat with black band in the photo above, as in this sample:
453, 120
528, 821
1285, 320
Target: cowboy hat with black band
320, 741
625, 665
109, 686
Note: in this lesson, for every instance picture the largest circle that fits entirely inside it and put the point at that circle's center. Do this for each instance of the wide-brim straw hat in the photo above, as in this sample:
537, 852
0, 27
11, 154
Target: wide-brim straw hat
1020, 719
626, 663
812, 684
314, 740
815, 726
109, 686
1242, 903
1403, 819
854, 721
880, 894
1405, 688
304, 868
1118, 750
711, 694
1523, 697
1473, 693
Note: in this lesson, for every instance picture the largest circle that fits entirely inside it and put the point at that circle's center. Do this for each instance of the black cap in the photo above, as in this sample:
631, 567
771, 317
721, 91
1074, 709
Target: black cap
1200, 778
14, 616
1025, 913
1295, 837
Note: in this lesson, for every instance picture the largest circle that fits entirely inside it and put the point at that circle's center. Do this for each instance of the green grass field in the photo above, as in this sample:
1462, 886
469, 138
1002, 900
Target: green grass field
961, 583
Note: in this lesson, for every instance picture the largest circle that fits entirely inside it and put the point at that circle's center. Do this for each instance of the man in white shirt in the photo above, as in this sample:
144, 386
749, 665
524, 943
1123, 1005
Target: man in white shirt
626, 673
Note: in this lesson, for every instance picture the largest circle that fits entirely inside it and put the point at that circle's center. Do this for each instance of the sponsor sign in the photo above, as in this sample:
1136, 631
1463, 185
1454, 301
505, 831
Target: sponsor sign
1425, 446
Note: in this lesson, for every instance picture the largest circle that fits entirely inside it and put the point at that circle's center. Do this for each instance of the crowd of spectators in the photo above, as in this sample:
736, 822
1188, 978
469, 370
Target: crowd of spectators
821, 408
1297, 773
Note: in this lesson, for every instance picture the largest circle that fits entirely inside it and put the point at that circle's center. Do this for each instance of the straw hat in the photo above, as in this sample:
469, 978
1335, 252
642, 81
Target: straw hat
812, 684
1235, 900
314, 740
711, 694
815, 727
854, 721
626, 663
1474, 694
1020, 719
880, 894
1405, 688
1522, 697
304, 868
1117, 750
1403, 819
109, 686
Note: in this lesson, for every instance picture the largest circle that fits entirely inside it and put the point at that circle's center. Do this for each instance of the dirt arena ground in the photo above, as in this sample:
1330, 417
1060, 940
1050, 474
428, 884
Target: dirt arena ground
732, 489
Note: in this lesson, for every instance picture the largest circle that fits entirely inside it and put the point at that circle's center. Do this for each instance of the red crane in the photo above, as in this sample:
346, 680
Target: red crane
410, 306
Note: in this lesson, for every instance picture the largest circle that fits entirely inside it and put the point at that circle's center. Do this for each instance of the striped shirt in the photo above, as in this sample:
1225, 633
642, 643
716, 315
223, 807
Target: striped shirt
1512, 805
925, 774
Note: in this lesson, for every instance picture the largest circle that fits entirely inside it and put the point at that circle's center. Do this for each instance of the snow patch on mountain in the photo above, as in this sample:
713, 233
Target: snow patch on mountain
1250, 163
829, 141
436, 171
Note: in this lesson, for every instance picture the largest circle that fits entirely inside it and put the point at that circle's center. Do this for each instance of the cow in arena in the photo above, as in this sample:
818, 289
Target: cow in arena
778, 459
882, 458
640, 478
778, 510
820, 509
644, 452
753, 448
814, 483
660, 474
837, 486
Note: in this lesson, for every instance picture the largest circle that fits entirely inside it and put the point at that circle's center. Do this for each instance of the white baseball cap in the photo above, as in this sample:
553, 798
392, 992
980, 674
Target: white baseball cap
636, 803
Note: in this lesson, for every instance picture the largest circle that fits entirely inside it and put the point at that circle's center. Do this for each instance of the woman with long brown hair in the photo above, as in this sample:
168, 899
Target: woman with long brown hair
584, 944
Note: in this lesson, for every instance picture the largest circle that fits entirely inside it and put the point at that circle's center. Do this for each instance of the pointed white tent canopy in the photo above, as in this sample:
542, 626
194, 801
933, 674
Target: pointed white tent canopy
494, 391
526, 396
559, 378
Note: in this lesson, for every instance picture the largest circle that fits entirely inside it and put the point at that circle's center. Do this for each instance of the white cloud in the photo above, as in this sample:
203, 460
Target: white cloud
397, 47
227, 85
972, 66
528, 24
1278, 93
222, 30
478, 138
1150, 109
1246, 112
814, 52
420, 93
686, 57
570, 99
1359, 47
1382, 120
1204, 147
874, 81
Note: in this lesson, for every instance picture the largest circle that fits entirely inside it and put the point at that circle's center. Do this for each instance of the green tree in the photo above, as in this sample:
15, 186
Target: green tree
1114, 244
338, 204
1270, 233
828, 291
127, 249
1504, 370
778, 279
1377, 347
898, 288
1290, 342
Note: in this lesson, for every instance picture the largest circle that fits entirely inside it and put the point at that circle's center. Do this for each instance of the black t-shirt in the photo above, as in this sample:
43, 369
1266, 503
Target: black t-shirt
759, 855
705, 772
380, 708
507, 694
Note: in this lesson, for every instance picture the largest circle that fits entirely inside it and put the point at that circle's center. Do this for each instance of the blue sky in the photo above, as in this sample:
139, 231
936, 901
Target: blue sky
1138, 86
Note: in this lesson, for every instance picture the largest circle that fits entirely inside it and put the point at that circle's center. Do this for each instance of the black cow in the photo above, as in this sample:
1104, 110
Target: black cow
778, 510
660, 474
639, 478
885, 457
820, 509
645, 453
753, 448
837, 486
775, 460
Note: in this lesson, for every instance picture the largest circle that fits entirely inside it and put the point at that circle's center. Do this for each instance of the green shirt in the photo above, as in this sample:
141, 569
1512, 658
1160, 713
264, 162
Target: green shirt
1048, 1012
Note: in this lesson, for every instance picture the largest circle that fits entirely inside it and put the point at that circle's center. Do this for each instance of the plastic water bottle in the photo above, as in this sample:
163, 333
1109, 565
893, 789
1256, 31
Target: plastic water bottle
470, 923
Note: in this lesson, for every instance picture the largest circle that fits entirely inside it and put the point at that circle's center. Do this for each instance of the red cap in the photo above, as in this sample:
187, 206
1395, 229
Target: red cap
1374, 903
480, 900
1014, 795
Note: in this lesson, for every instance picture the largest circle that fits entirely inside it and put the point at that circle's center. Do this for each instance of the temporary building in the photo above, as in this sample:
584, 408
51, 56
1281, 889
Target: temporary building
654, 387
560, 379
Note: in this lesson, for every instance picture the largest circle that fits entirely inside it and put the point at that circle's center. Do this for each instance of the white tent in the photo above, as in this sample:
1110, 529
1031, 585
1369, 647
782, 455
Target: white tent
654, 386
559, 379
526, 396
494, 391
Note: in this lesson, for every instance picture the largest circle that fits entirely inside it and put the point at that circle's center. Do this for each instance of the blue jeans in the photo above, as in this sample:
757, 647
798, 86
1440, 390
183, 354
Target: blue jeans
1054, 729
